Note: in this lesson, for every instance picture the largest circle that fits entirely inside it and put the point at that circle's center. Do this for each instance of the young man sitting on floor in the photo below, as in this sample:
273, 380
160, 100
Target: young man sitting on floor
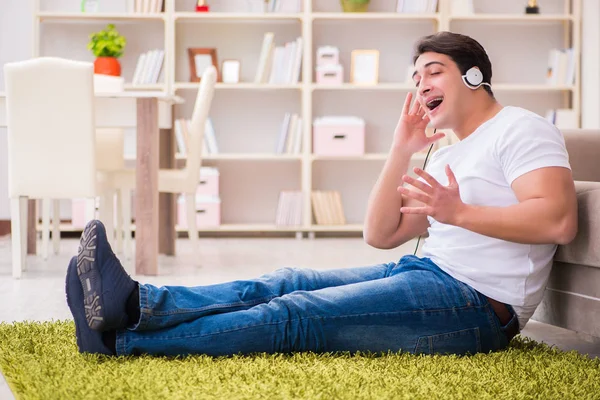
495, 205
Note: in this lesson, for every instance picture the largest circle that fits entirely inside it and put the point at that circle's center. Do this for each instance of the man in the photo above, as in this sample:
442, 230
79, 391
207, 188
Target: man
495, 206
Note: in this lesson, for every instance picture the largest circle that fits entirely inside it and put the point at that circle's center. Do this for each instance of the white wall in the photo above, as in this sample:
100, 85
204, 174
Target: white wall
590, 63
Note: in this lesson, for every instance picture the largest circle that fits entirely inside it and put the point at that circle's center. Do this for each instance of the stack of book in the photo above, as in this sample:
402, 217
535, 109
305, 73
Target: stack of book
289, 140
148, 67
327, 207
289, 208
279, 64
182, 137
146, 6
561, 67
273, 6
563, 118
417, 6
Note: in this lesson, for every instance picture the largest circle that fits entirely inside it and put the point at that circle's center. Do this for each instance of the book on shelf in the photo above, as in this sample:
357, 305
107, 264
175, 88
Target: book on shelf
462, 7
327, 207
289, 140
289, 208
272, 6
148, 67
563, 118
561, 67
417, 6
182, 137
145, 6
279, 64
210, 139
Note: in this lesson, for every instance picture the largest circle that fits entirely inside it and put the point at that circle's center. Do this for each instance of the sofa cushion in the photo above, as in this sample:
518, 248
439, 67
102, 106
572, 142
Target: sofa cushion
582, 146
585, 248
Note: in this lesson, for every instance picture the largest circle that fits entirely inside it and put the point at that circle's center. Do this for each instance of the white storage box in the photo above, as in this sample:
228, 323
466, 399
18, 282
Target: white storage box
208, 211
339, 136
330, 74
327, 55
209, 182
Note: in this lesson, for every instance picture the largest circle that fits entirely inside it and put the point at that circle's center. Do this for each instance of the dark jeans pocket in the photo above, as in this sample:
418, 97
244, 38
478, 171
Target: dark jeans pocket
466, 341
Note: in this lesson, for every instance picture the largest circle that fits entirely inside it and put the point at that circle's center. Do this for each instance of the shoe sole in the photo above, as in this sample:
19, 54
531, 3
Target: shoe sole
87, 342
70, 301
89, 277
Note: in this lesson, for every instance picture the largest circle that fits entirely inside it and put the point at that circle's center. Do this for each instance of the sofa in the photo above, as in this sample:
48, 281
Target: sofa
572, 296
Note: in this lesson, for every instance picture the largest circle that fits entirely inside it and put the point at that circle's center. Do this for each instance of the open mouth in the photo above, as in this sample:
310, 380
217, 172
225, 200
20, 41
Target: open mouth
434, 103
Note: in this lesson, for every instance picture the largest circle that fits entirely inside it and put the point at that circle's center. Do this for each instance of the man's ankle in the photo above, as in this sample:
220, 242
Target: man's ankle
109, 338
133, 306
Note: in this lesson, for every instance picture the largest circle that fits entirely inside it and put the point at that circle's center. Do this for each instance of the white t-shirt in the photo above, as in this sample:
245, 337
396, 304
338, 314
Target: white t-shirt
515, 141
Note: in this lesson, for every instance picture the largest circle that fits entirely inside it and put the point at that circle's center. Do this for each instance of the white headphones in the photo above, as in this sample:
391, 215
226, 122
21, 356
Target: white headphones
474, 79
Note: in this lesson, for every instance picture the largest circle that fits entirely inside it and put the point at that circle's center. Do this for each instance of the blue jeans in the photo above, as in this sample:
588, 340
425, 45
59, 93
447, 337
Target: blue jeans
411, 306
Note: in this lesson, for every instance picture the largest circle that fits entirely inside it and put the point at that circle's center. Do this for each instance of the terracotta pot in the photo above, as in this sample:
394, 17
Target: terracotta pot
349, 6
107, 66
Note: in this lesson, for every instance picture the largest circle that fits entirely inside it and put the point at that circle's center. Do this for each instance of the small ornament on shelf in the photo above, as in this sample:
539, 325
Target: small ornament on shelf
532, 7
89, 5
201, 6
199, 60
355, 5
107, 46
230, 71
364, 68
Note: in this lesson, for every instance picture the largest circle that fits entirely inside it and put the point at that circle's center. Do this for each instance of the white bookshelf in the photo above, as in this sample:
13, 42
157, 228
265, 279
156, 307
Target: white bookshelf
74, 16
239, 86
511, 18
234, 16
247, 115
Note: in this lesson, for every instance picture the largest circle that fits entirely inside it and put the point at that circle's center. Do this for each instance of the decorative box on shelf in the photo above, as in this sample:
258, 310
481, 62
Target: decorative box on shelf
339, 136
208, 211
330, 74
328, 55
78, 216
328, 69
209, 182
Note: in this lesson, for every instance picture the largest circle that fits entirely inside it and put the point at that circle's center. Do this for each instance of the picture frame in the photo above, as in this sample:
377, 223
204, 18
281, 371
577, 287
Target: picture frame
230, 71
364, 69
199, 59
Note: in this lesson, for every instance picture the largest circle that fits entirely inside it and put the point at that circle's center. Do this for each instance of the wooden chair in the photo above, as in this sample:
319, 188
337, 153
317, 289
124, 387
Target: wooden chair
110, 143
51, 138
179, 181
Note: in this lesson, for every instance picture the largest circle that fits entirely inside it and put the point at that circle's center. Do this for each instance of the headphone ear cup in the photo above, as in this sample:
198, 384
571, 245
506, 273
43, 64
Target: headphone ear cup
474, 76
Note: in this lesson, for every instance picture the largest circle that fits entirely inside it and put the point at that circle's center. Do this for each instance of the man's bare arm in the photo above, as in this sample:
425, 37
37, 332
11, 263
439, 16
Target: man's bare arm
385, 226
546, 212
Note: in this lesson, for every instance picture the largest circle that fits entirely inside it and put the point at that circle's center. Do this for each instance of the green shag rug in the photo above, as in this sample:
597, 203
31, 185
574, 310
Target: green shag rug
40, 360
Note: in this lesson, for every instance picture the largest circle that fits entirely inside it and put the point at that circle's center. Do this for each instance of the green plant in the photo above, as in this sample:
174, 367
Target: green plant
107, 42
355, 5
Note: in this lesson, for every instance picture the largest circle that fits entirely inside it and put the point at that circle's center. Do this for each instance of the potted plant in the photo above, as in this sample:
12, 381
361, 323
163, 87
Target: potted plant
107, 45
355, 5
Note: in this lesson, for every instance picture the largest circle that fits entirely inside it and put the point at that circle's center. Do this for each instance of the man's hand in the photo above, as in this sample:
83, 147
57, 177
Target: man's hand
440, 202
409, 134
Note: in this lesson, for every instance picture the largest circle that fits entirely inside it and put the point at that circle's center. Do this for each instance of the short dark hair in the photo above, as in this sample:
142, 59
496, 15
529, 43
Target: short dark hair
465, 51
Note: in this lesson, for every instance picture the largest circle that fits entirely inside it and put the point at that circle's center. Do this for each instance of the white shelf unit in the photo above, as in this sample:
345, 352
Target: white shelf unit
247, 115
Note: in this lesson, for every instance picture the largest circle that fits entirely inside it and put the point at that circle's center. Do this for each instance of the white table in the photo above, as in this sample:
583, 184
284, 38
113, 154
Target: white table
145, 106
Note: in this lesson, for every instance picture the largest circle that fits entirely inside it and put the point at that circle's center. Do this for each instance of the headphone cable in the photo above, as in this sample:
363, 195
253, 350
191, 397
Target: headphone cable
424, 164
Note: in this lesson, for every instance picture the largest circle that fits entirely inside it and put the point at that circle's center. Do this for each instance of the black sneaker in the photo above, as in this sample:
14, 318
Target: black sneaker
106, 285
88, 340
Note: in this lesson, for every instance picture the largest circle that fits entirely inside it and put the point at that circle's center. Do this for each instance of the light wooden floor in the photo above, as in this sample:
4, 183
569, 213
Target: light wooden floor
40, 295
